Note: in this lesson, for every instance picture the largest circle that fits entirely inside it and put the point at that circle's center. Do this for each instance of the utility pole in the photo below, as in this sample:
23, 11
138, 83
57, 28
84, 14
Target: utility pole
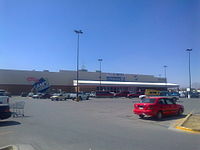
190, 85
100, 60
78, 32
165, 68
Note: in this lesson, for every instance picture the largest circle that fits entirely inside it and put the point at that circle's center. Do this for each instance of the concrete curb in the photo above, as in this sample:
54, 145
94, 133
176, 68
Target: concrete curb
9, 147
181, 127
17, 147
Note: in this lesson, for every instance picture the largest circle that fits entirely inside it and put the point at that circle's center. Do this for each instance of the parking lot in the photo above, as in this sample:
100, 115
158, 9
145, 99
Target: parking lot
95, 124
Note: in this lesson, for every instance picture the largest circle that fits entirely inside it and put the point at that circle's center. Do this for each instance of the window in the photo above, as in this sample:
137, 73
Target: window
169, 101
148, 100
162, 101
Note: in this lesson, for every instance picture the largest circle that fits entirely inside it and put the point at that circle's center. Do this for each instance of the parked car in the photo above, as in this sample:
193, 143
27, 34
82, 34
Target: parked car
172, 95
93, 94
37, 95
194, 95
122, 94
4, 107
157, 107
58, 97
24, 94
182, 94
4, 93
104, 94
81, 96
152, 92
4, 111
45, 95
4, 100
30, 94
149, 92
136, 94
67, 95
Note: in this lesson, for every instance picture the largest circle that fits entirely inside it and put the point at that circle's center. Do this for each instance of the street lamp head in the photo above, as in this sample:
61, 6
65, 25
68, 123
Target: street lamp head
165, 66
100, 59
78, 31
189, 49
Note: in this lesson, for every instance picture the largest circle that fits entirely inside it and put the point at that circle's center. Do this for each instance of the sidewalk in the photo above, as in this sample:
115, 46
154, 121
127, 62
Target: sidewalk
190, 123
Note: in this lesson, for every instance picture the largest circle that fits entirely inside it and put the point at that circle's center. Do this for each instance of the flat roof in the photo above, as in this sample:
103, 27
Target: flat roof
117, 83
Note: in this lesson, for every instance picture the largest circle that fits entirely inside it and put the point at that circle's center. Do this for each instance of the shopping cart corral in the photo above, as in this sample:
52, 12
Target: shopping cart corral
17, 109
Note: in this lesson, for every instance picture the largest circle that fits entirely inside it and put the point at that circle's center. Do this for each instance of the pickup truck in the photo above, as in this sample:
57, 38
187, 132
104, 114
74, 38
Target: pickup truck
81, 96
4, 108
4, 99
4, 93
4, 111
58, 97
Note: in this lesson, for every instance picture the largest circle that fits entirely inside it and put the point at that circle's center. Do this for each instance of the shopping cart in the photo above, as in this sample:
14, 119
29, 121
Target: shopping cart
17, 109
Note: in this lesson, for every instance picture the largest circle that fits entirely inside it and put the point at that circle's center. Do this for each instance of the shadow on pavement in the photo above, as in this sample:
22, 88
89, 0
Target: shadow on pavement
26, 116
167, 118
19, 116
9, 123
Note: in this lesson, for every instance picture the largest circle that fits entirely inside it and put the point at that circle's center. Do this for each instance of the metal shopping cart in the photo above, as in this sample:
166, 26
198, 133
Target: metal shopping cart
17, 109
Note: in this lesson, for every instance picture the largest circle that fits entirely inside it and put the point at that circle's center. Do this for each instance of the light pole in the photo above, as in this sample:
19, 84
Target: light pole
189, 92
165, 68
100, 60
78, 32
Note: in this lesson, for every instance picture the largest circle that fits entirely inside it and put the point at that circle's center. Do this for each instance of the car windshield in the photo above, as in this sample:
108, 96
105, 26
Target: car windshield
56, 94
2, 94
148, 100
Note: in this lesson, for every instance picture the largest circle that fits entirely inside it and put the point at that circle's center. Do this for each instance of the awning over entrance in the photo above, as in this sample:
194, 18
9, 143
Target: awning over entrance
116, 83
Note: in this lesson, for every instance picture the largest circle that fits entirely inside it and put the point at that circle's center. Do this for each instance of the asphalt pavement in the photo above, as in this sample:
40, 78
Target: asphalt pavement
96, 124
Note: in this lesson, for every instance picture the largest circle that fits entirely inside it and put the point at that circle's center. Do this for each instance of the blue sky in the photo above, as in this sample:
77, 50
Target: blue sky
131, 36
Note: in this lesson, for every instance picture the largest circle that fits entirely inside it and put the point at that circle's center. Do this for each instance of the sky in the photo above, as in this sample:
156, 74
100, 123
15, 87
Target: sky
131, 36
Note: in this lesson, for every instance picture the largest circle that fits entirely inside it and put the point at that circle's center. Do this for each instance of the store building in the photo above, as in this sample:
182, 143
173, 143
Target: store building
18, 81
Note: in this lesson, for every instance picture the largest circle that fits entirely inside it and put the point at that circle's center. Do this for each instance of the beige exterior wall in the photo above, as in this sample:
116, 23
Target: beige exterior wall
16, 81
66, 77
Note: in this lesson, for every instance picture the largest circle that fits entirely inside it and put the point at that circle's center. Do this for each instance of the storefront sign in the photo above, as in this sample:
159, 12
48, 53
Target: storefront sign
115, 78
41, 85
32, 79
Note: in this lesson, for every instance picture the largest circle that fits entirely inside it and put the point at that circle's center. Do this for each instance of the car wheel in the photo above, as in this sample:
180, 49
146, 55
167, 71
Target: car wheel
159, 115
174, 99
87, 98
141, 116
80, 98
180, 112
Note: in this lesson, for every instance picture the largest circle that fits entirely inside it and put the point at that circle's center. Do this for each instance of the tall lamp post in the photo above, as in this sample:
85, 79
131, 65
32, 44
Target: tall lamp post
100, 60
78, 32
189, 92
165, 68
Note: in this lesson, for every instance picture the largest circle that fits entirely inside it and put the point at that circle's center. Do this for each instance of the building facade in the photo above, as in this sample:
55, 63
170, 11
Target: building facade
18, 81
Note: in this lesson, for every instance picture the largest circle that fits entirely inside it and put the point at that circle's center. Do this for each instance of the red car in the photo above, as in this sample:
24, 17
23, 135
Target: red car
122, 94
137, 94
104, 94
157, 107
